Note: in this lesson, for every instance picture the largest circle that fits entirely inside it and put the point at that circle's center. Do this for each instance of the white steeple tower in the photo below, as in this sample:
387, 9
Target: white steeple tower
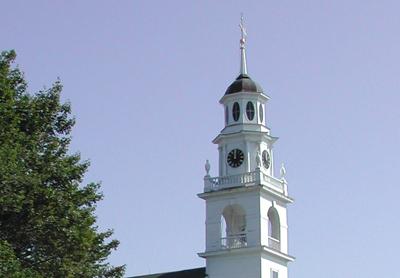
246, 215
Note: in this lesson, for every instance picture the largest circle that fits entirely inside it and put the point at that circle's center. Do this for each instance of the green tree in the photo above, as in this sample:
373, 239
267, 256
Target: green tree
10, 266
47, 222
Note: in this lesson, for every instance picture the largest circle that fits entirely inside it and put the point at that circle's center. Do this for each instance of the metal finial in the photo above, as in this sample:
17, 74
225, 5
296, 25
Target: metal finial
283, 171
258, 158
243, 32
207, 167
243, 63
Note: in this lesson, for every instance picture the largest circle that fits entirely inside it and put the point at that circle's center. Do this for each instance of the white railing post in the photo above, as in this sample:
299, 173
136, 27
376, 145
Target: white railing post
285, 187
207, 183
258, 176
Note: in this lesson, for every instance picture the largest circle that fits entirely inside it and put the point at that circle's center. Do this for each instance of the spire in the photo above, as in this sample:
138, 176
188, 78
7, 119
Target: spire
243, 64
243, 82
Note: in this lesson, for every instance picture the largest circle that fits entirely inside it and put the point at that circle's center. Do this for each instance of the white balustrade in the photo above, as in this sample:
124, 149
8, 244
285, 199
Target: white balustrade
217, 183
274, 243
245, 179
235, 241
276, 184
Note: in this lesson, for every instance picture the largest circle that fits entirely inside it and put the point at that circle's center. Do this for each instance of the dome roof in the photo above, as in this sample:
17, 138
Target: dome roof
243, 83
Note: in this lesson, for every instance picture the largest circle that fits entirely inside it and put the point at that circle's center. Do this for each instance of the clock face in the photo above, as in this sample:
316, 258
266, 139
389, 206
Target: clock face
235, 158
266, 159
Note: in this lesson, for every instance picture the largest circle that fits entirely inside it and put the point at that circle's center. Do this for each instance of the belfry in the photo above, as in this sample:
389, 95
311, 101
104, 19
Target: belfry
246, 205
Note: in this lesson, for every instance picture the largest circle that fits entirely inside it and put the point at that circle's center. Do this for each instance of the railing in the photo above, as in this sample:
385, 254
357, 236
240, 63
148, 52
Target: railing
276, 184
274, 243
245, 179
236, 241
217, 183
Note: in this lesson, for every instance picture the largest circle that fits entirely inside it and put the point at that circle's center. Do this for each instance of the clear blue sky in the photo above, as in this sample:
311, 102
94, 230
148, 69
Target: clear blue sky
144, 79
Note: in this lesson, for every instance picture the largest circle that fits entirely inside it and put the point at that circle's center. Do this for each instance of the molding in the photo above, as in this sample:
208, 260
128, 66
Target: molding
228, 191
278, 254
278, 195
245, 95
241, 189
257, 135
248, 250
232, 251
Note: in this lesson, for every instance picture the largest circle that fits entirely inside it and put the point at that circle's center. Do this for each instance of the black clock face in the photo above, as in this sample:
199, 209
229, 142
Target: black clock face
235, 158
266, 159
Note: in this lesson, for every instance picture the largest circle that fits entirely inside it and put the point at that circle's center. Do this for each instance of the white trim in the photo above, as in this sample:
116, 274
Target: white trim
235, 251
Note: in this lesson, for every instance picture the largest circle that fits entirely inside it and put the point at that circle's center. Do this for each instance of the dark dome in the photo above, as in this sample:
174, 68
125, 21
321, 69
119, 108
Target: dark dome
243, 83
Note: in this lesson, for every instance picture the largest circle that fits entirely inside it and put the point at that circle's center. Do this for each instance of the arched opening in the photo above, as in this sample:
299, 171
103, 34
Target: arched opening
224, 232
233, 227
274, 229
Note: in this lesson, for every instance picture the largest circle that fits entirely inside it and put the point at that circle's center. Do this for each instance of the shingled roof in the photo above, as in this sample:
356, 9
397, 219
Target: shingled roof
187, 273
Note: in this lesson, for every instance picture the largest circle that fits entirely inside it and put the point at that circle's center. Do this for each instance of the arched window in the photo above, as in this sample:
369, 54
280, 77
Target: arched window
233, 227
274, 229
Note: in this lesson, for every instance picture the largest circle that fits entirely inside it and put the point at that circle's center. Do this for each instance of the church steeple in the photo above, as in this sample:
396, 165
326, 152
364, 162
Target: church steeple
246, 215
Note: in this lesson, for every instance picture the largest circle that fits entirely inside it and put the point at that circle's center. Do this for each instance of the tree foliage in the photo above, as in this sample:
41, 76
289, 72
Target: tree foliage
47, 222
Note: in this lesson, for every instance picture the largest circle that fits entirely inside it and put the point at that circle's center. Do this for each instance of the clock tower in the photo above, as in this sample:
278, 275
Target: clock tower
246, 205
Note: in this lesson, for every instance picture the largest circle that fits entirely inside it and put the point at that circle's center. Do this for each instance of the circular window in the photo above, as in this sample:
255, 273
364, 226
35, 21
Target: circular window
261, 111
226, 115
250, 110
236, 111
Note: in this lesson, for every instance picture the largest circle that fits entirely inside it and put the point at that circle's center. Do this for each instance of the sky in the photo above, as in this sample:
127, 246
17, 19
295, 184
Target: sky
144, 79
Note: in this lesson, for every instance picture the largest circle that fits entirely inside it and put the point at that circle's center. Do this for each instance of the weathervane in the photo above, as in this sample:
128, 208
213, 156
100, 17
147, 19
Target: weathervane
243, 31
243, 63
